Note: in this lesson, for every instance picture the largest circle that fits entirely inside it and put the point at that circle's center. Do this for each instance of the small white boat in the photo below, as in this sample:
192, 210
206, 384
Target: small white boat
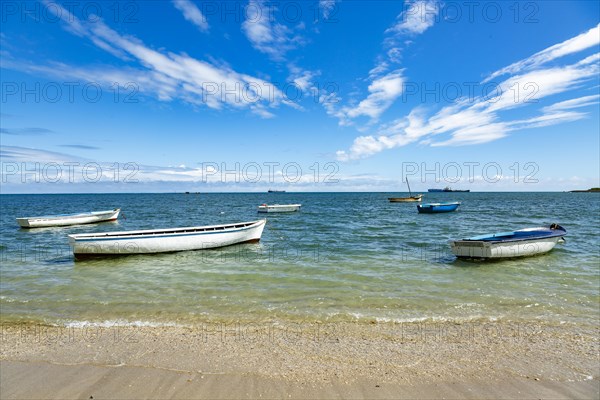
89, 245
520, 243
278, 208
69, 219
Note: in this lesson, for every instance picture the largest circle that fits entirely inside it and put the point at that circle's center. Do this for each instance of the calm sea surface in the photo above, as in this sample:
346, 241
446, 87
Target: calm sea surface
344, 257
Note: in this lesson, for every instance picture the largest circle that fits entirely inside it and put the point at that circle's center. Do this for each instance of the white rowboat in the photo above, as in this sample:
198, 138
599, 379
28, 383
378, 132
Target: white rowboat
278, 208
69, 219
164, 240
520, 243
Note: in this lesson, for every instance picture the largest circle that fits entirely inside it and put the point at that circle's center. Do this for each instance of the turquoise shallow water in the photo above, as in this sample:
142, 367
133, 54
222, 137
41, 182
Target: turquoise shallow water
345, 256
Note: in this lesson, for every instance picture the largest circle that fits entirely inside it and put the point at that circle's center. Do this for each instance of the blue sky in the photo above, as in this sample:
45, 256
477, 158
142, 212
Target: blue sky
308, 96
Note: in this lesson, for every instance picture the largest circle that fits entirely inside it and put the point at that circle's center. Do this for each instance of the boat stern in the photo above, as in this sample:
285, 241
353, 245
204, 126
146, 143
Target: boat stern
23, 222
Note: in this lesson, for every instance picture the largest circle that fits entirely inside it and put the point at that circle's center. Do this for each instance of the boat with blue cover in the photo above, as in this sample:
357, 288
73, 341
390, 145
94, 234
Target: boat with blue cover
432, 208
519, 243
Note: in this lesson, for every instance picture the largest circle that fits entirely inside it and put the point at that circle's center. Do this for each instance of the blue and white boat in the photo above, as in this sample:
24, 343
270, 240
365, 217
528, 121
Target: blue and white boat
520, 243
431, 208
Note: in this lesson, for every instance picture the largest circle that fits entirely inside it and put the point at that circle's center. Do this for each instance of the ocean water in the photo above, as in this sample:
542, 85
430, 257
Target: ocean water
344, 257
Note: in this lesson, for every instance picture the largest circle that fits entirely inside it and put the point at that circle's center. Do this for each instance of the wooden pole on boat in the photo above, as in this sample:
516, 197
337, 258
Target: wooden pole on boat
409, 192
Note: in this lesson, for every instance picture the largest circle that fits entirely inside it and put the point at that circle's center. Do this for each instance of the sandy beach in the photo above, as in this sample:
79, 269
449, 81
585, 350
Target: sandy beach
301, 360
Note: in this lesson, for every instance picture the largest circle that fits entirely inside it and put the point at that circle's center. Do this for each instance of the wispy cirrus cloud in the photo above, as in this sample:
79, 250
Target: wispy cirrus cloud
416, 18
327, 7
192, 13
70, 171
383, 91
166, 75
276, 39
25, 131
80, 146
266, 34
576, 44
387, 84
485, 119
31, 155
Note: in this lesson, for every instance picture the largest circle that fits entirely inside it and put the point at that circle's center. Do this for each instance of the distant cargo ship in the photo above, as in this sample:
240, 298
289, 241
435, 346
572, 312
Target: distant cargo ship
447, 189
276, 191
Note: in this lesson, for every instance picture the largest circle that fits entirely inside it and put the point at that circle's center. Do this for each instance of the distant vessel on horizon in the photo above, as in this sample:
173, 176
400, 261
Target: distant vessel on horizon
275, 191
592, 190
447, 189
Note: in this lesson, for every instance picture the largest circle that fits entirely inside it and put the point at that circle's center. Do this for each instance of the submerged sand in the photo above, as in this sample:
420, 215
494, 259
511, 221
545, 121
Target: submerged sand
301, 360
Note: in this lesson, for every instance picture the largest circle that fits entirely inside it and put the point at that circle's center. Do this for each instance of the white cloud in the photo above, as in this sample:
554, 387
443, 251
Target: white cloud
383, 92
167, 75
192, 13
378, 70
24, 155
581, 42
326, 6
417, 17
572, 103
266, 35
303, 80
467, 123
386, 87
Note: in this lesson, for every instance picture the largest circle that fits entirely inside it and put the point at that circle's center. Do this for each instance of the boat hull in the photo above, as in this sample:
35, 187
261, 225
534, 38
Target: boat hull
279, 208
164, 240
437, 208
448, 191
521, 243
405, 199
66, 220
475, 249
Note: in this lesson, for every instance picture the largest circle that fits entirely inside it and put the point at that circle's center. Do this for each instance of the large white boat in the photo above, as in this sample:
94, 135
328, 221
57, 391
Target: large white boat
523, 242
69, 219
164, 240
278, 208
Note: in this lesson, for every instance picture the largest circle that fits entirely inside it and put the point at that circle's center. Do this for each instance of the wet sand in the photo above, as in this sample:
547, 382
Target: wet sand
301, 360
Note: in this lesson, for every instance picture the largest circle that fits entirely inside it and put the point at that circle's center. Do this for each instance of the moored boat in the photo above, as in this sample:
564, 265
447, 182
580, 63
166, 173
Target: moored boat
520, 243
432, 208
69, 219
409, 199
278, 208
448, 189
164, 240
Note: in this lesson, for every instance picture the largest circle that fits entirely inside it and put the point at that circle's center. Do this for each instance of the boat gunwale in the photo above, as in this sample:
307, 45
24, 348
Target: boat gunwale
169, 232
429, 205
418, 196
539, 233
279, 205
